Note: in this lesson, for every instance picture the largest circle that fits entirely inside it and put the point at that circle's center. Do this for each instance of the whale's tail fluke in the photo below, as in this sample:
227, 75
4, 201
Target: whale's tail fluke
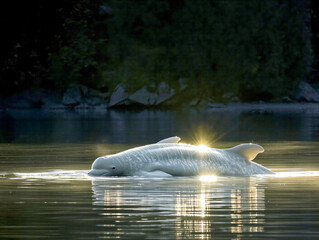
248, 150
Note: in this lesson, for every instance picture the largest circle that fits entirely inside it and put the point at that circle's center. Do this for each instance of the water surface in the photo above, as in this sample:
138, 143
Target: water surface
45, 191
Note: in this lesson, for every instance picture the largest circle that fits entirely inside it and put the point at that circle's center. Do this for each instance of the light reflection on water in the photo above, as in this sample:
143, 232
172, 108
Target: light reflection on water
234, 204
176, 208
190, 207
42, 195
194, 209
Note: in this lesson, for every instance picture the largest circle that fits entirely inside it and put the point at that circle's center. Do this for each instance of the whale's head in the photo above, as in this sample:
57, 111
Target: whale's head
107, 166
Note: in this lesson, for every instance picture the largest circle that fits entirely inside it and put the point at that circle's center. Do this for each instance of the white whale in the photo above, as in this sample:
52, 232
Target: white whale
170, 158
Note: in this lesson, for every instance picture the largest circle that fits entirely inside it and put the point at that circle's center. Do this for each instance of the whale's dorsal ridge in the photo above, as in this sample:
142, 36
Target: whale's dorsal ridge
248, 150
170, 140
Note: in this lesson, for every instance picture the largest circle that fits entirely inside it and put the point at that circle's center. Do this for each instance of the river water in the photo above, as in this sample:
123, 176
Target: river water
45, 192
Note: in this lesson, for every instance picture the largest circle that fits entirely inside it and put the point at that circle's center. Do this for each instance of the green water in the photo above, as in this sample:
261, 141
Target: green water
45, 192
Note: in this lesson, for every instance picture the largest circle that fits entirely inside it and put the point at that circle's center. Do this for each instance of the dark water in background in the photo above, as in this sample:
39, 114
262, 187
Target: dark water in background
45, 192
142, 127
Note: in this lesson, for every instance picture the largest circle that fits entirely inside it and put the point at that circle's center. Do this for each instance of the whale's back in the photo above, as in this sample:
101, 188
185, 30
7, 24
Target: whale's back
184, 159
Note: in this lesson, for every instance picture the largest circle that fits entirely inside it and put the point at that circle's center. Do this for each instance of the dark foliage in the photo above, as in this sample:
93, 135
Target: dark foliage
250, 49
30, 31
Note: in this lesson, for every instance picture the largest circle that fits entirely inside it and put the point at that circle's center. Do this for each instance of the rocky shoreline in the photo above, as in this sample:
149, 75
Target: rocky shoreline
79, 97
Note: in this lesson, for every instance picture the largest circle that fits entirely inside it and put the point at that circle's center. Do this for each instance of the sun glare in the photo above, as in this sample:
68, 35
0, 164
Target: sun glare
202, 148
207, 178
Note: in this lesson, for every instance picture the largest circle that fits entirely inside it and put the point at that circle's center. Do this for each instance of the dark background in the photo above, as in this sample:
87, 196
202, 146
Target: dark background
250, 49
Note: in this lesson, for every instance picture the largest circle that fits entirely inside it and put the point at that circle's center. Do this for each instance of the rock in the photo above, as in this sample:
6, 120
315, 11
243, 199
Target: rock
199, 103
204, 103
94, 93
48, 99
73, 95
83, 97
94, 101
305, 92
164, 92
286, 99
84, 90
230, 97
119, 96
53, 100
235, 99
143, 96
194, 103
95, 98
182, 84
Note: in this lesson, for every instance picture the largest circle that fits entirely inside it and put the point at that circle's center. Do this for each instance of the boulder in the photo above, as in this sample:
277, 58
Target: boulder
235, 99
83, 97
95, 98
182, 84
73, 95
230, 97
144, 97
285, 99
194, 103
53, 100
49, 99
119, 97
198, 103
95, 101
164, 92
305, 92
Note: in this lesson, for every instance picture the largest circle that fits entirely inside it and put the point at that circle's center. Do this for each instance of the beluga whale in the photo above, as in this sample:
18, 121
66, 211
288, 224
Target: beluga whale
168, 157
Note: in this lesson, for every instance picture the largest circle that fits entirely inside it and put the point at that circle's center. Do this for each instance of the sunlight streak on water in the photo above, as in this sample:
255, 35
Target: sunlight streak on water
195, 207
297, 174
83, 175
56, 175
235, 204
43, 197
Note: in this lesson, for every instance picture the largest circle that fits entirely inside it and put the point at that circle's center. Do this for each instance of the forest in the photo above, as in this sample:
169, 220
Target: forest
254, 50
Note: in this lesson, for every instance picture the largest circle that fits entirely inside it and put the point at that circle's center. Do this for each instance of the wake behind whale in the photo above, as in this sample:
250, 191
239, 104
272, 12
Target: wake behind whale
170, 158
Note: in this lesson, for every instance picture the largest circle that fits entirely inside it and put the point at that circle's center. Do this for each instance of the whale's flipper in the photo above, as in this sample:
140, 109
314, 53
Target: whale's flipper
248, 150
154, 174
170, 140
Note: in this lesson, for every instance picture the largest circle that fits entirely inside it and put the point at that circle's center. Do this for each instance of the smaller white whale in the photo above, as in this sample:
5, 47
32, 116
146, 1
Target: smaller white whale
170, 158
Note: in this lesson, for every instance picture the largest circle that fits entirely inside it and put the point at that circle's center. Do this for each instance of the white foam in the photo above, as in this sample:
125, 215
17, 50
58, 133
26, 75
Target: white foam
56, 174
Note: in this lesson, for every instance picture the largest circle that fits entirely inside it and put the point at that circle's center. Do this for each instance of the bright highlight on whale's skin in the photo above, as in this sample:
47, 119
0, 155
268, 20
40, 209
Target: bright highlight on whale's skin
203, 148
168, 157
